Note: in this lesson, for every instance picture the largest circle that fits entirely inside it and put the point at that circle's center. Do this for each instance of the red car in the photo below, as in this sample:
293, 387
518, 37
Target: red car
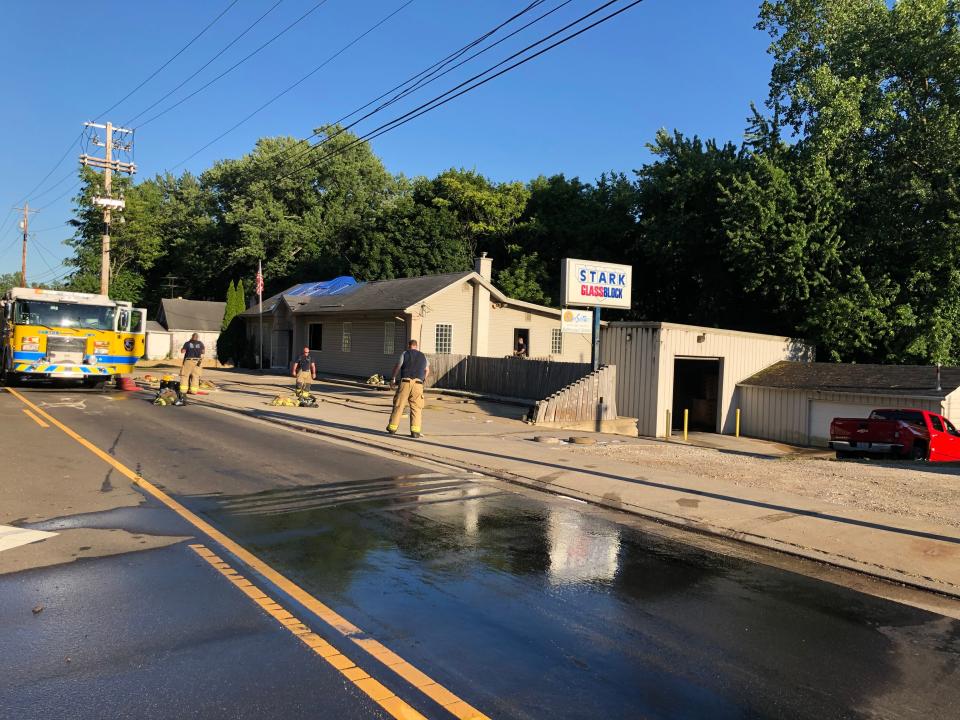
916, 434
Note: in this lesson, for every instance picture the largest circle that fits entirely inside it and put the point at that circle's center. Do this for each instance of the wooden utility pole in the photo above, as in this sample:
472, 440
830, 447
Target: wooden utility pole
25, 226
107, 202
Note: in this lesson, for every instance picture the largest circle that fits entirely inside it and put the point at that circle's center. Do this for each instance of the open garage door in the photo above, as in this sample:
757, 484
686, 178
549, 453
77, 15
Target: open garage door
822, 412
696, 389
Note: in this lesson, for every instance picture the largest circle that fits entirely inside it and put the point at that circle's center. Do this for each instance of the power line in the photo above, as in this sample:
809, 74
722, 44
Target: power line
73, 143
62, 195
432, 76
417, 78
235, 65
279, 95
174, 57
62, 180
51, 227
204, 66
465, 87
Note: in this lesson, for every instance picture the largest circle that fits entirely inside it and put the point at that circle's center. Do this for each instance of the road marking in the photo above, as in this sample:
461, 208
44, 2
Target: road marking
421, 681
375, 690
33, 417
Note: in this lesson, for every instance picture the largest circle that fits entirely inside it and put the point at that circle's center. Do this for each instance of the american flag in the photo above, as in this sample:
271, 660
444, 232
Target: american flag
258, 283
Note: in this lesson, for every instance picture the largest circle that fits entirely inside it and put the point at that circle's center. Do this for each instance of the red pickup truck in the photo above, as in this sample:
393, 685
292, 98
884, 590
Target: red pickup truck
916, 434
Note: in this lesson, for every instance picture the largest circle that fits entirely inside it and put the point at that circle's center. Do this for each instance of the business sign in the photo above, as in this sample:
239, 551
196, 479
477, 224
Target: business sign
596, 284
577, 322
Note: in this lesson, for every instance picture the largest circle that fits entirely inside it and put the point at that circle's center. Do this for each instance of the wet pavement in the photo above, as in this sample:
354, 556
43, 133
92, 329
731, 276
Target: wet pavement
526, 605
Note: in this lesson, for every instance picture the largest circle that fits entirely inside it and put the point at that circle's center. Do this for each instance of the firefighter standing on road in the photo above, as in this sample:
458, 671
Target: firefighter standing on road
193, 351
414, 369
304, 370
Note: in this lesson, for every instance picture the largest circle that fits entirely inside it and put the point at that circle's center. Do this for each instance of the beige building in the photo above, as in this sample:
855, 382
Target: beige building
361, 329
176, 322
795, 402
666, 368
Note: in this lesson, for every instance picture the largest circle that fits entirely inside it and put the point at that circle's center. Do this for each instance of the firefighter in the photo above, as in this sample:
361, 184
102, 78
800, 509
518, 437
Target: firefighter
304, 370
192, 351
414, 369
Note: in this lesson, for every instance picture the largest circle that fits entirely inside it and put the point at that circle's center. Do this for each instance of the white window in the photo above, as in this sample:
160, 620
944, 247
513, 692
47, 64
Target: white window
556, 341
389, 337
347, 332
444, 339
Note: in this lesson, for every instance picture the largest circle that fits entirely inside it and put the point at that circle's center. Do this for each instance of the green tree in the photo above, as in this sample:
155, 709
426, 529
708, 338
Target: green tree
240, 297
230, 309
871, 95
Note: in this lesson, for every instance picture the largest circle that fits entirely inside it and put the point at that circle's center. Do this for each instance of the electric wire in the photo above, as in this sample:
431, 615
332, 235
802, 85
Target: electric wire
283, 92
174, 57
204, 66
62, 195
418, 77
465, 87
235, 65
429, 78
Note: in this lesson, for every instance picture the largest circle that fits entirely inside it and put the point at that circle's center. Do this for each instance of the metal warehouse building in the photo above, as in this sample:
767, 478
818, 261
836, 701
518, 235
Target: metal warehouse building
665, 368
795, 402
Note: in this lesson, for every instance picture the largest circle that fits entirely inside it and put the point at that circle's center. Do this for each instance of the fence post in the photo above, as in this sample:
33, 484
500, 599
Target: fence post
686, 422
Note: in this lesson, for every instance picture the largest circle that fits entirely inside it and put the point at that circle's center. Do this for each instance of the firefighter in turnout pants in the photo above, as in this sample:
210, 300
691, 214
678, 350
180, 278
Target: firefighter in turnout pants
414, 370
192, 351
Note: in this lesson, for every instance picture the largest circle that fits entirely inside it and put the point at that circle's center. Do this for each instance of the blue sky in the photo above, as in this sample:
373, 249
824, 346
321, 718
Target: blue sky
581, 109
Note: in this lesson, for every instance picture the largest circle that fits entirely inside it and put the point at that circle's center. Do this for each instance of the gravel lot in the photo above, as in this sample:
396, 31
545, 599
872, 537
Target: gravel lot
917, 490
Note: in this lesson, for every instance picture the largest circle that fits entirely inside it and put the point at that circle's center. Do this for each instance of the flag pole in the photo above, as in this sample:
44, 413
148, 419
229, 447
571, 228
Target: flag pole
260, 299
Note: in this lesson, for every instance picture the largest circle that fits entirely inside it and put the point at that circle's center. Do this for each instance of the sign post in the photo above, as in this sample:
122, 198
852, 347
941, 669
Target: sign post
588, 283
595, 341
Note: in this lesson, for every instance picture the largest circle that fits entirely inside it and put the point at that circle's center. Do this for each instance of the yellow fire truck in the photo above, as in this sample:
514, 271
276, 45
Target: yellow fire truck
68, 335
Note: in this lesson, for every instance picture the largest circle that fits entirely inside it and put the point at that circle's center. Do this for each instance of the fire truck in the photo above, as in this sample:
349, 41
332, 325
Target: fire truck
56, 334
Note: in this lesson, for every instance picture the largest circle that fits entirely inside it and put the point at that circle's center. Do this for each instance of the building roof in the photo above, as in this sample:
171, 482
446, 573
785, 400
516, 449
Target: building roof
398, 295
906, 380
195, 315
154, 326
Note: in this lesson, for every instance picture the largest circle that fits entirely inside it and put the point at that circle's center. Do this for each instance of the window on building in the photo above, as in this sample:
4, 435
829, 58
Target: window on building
389, 337
315, 341
444, 343
347, 333
556, 341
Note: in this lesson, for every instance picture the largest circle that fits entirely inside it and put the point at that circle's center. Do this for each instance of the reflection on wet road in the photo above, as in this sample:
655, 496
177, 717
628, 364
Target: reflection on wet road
537, 605
529, 605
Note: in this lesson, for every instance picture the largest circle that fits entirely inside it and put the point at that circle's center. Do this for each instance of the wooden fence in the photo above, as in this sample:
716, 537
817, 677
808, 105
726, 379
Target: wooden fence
592, 398
509, 377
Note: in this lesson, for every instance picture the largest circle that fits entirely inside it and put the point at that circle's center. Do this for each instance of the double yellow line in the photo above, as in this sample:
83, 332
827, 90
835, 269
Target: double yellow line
375, 690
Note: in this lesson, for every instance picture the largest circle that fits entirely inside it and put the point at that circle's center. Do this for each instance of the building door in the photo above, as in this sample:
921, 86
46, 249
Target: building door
696, 388
822, 413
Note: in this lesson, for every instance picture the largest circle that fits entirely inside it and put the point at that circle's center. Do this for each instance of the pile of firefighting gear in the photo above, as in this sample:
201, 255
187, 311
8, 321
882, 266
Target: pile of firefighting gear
169, 393
300, 398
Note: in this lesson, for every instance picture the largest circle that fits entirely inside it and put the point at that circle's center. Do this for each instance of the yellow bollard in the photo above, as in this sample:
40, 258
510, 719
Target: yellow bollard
667, 432
738, 422
686, 423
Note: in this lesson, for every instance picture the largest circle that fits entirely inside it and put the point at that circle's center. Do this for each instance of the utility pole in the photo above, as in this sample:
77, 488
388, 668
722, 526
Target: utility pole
107, 202
25, 226
171, 285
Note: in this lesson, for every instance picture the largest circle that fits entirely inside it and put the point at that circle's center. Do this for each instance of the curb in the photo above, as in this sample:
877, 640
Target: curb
892, 575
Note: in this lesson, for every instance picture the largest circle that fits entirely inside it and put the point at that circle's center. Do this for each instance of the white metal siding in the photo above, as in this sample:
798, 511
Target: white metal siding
635, 350
644, 354
785, 415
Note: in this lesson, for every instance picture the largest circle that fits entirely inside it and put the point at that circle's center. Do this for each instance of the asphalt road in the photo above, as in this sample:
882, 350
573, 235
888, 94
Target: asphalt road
524, 605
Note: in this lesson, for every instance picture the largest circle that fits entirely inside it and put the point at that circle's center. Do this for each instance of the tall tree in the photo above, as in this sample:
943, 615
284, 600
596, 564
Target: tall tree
230, 307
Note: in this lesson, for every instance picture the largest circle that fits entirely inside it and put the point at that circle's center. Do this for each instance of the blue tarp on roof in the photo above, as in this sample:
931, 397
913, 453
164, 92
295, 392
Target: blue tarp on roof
321, 289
